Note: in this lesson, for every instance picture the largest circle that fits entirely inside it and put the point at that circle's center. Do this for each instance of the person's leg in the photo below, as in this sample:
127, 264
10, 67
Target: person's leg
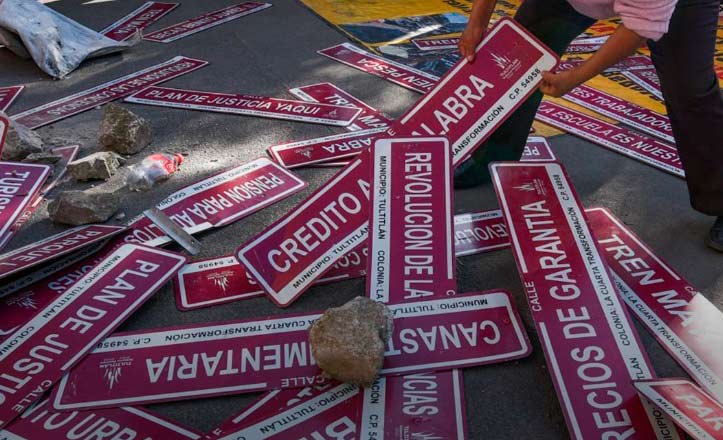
556, 24
684, 61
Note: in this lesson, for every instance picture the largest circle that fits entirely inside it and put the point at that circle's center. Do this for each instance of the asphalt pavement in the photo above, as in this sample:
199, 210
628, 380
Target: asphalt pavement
266, 54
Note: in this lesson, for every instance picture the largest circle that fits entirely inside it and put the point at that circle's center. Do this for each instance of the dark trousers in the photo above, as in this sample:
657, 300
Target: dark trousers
684, 61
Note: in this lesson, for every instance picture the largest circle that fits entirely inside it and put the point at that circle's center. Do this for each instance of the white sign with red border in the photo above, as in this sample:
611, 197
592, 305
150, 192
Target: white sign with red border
62, 333
411, 221
691, 408
205, 21
399, 74
147, 14
328, 93
286, 272
107, 92
681, 319
54, 246
8, 95
613, 137
249, 356
246, 105
630, 114
591, 346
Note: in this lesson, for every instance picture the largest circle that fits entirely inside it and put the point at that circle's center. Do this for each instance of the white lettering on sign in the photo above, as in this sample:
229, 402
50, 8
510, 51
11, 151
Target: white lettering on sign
420, 394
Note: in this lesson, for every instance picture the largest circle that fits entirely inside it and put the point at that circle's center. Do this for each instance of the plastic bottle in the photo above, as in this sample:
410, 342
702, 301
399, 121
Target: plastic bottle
153, 169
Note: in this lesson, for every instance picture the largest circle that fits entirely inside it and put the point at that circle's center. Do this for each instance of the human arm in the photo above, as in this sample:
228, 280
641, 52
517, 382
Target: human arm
476, 27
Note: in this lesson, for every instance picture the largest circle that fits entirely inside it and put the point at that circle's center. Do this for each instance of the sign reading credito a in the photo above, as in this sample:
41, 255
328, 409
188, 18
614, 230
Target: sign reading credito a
466, 106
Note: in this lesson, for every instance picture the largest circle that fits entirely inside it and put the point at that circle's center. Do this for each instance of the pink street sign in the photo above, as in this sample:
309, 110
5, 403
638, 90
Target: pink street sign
427, 405
333, 414
147, 14
324, 149
8, 95
259, 355
683, 321
480, 232
107, 92
286, 265
631, 63
647, 79
328, 93
62, 333
435, 43
410, 221
219, 200
613, 137
472, 100
691, 408
591, 346
246, 105
586, 45
623, 111
4, 127
223, 280
42, 422
399, 74
537, 149
205, 21
19, 183
54, 246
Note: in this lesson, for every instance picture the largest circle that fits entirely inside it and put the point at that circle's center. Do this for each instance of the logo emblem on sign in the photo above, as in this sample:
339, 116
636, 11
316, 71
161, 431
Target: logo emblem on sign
306, 152
533, 186
24, 301
113, 368
220, 280
507, 65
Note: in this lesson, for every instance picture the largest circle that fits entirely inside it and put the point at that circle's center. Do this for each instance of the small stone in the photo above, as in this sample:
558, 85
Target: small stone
123, 131
83, 207
101, 165
348, 341
21, 142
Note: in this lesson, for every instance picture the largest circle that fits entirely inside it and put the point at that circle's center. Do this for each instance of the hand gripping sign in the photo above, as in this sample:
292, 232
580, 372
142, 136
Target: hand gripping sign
613, 137
42, 422
246, 105
467, 105
691, 408
147, 14
410, 221
264, 354
39, 352
591, 346
683, 321
428, 405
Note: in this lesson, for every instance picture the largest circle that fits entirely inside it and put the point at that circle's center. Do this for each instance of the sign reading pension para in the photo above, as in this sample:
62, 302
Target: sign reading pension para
399, 74
684, 322
249, 356
286, 264
205, 21
691, 408
330, 94
219, 200
613, 137
19, 183
472, 100
54, 246
411, 221
324, 149
147, 14
480, 232
39, 352
630, 114
8, 95
42, 422
107, 92
424, 406
591, 346
223, 280
247, 105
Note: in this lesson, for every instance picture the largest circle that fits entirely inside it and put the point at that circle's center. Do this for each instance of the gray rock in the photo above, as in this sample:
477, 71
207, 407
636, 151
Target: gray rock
83, 207
21, 142
102, 165
348, 341
46, 158
122, 131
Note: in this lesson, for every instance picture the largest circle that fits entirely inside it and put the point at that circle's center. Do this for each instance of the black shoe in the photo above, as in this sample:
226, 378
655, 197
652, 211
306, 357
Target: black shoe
714, 239
470, 174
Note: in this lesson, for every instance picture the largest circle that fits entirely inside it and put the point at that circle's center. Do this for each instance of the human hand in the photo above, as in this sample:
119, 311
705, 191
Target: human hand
557, 84
469, 40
